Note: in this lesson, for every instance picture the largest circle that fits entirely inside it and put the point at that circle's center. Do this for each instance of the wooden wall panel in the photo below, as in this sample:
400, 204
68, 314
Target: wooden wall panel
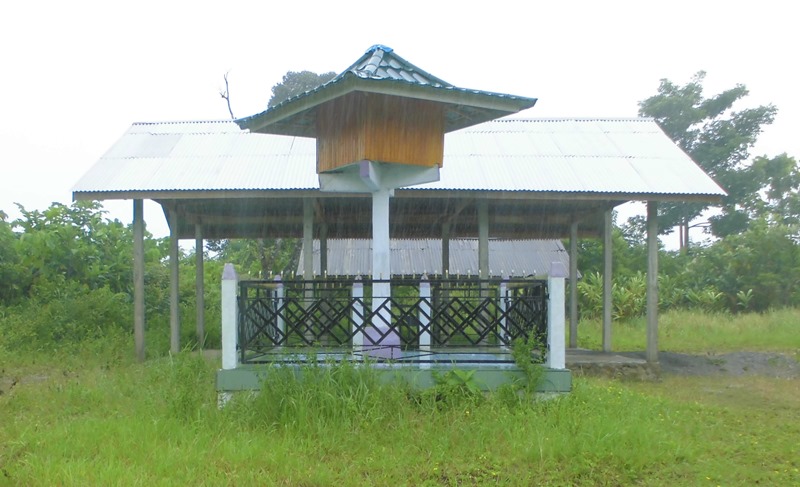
368, 126
340, 132
404, 130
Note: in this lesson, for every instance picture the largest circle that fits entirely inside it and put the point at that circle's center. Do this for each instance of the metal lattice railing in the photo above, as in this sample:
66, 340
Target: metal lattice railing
329, 315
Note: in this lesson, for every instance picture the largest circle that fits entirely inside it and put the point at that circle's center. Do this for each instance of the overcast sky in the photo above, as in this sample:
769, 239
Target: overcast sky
74, 75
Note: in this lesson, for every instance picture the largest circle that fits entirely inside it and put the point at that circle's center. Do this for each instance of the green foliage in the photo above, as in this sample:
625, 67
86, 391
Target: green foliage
718, 138
62, 315
295, 83
764, 261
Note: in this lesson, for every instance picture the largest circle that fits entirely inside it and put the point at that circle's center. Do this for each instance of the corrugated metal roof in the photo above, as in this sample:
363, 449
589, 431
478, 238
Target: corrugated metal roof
627, 156
507, 258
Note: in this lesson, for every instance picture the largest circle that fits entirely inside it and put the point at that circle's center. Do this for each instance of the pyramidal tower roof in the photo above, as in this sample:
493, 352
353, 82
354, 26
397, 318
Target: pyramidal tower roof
380, 70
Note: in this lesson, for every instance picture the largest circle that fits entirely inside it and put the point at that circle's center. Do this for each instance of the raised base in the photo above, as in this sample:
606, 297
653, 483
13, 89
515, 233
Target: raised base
250, 377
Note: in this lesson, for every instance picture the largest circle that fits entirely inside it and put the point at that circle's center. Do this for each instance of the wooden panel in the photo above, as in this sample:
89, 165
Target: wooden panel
404, 130
340, 132
382, 128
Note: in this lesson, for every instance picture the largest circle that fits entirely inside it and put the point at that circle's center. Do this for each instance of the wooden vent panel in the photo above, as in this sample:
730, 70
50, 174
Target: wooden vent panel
382, 128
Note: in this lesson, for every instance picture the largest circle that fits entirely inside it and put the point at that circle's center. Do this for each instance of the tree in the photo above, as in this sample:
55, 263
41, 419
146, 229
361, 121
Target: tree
717, 138
780, 204
278, 256
295, 83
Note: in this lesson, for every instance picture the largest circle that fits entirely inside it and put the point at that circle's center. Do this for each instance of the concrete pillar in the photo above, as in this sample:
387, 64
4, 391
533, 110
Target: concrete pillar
445, 249
200, 293
573, 285
483, 239
381, 275
424, 322
652, 282
230, 325
308, 260
174, 289
556, 346
502, 326
323, 249
357, 316
279, 301
607, 278
138, 279
308, 239
230, 317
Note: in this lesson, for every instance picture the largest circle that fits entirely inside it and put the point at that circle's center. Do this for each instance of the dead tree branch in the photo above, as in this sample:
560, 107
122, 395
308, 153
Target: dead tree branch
226, 95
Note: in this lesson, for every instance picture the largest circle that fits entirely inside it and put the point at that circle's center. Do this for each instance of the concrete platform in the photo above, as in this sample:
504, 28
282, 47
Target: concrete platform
583, 362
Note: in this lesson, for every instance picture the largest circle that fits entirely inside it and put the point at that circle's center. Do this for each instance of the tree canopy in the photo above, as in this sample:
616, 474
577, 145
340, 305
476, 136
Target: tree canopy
716, 137
295, 83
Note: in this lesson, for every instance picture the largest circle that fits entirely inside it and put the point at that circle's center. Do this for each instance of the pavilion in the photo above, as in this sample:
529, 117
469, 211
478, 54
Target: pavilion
387, 150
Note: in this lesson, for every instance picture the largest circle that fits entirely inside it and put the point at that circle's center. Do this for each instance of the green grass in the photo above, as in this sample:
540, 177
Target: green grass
698, 332
100, 419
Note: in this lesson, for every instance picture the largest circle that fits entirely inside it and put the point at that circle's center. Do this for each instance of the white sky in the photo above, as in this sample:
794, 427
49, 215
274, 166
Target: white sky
74, 75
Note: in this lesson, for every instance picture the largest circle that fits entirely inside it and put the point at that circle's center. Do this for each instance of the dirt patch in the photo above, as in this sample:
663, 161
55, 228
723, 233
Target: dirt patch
766, 364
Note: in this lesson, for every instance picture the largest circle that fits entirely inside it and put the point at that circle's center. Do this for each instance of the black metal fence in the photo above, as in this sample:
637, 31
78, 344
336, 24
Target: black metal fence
327, 314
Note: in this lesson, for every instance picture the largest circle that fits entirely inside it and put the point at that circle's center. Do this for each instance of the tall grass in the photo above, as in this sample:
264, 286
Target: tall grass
700, 332
92, 416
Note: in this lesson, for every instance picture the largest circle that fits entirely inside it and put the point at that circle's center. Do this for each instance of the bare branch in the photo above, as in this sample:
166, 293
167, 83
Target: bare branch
226, 95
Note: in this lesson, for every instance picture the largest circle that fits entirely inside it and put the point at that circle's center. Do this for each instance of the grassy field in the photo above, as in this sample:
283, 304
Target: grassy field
693, 332
94, 417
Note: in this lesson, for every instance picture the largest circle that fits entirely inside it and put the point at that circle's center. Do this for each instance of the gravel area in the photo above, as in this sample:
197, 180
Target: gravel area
768, 364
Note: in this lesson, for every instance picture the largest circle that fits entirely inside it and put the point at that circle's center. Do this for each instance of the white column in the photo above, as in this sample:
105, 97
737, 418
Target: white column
308, 239
358, 315
502, 327
424, 314
556, 342
381, 271
323, 250
230, 317
425, 322
483, 240
200, 299
174, 289
573, 285
381, 252
652, 282
279, 297
445, 250
138, 278
607, 282
308, 259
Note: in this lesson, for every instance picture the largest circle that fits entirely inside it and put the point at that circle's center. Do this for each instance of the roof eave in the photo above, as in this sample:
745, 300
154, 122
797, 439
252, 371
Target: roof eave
493, 105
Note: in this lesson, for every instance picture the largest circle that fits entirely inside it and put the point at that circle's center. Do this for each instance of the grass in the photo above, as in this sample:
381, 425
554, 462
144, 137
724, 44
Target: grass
94, 417
698, 332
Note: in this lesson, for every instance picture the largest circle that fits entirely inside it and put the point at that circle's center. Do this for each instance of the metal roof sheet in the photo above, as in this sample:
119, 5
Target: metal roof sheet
589, 156
414, 257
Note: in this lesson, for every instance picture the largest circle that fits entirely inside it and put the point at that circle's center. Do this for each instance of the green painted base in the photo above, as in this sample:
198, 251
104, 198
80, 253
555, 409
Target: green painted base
249, 377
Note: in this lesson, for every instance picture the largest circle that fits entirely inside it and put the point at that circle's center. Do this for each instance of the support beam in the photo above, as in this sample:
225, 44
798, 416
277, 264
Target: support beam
308, 239
388, 342
138, 279
323, 249
607, 281
174, 310
483, 239
445, 249
573, 285
652, 282
308, 259
200, 291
